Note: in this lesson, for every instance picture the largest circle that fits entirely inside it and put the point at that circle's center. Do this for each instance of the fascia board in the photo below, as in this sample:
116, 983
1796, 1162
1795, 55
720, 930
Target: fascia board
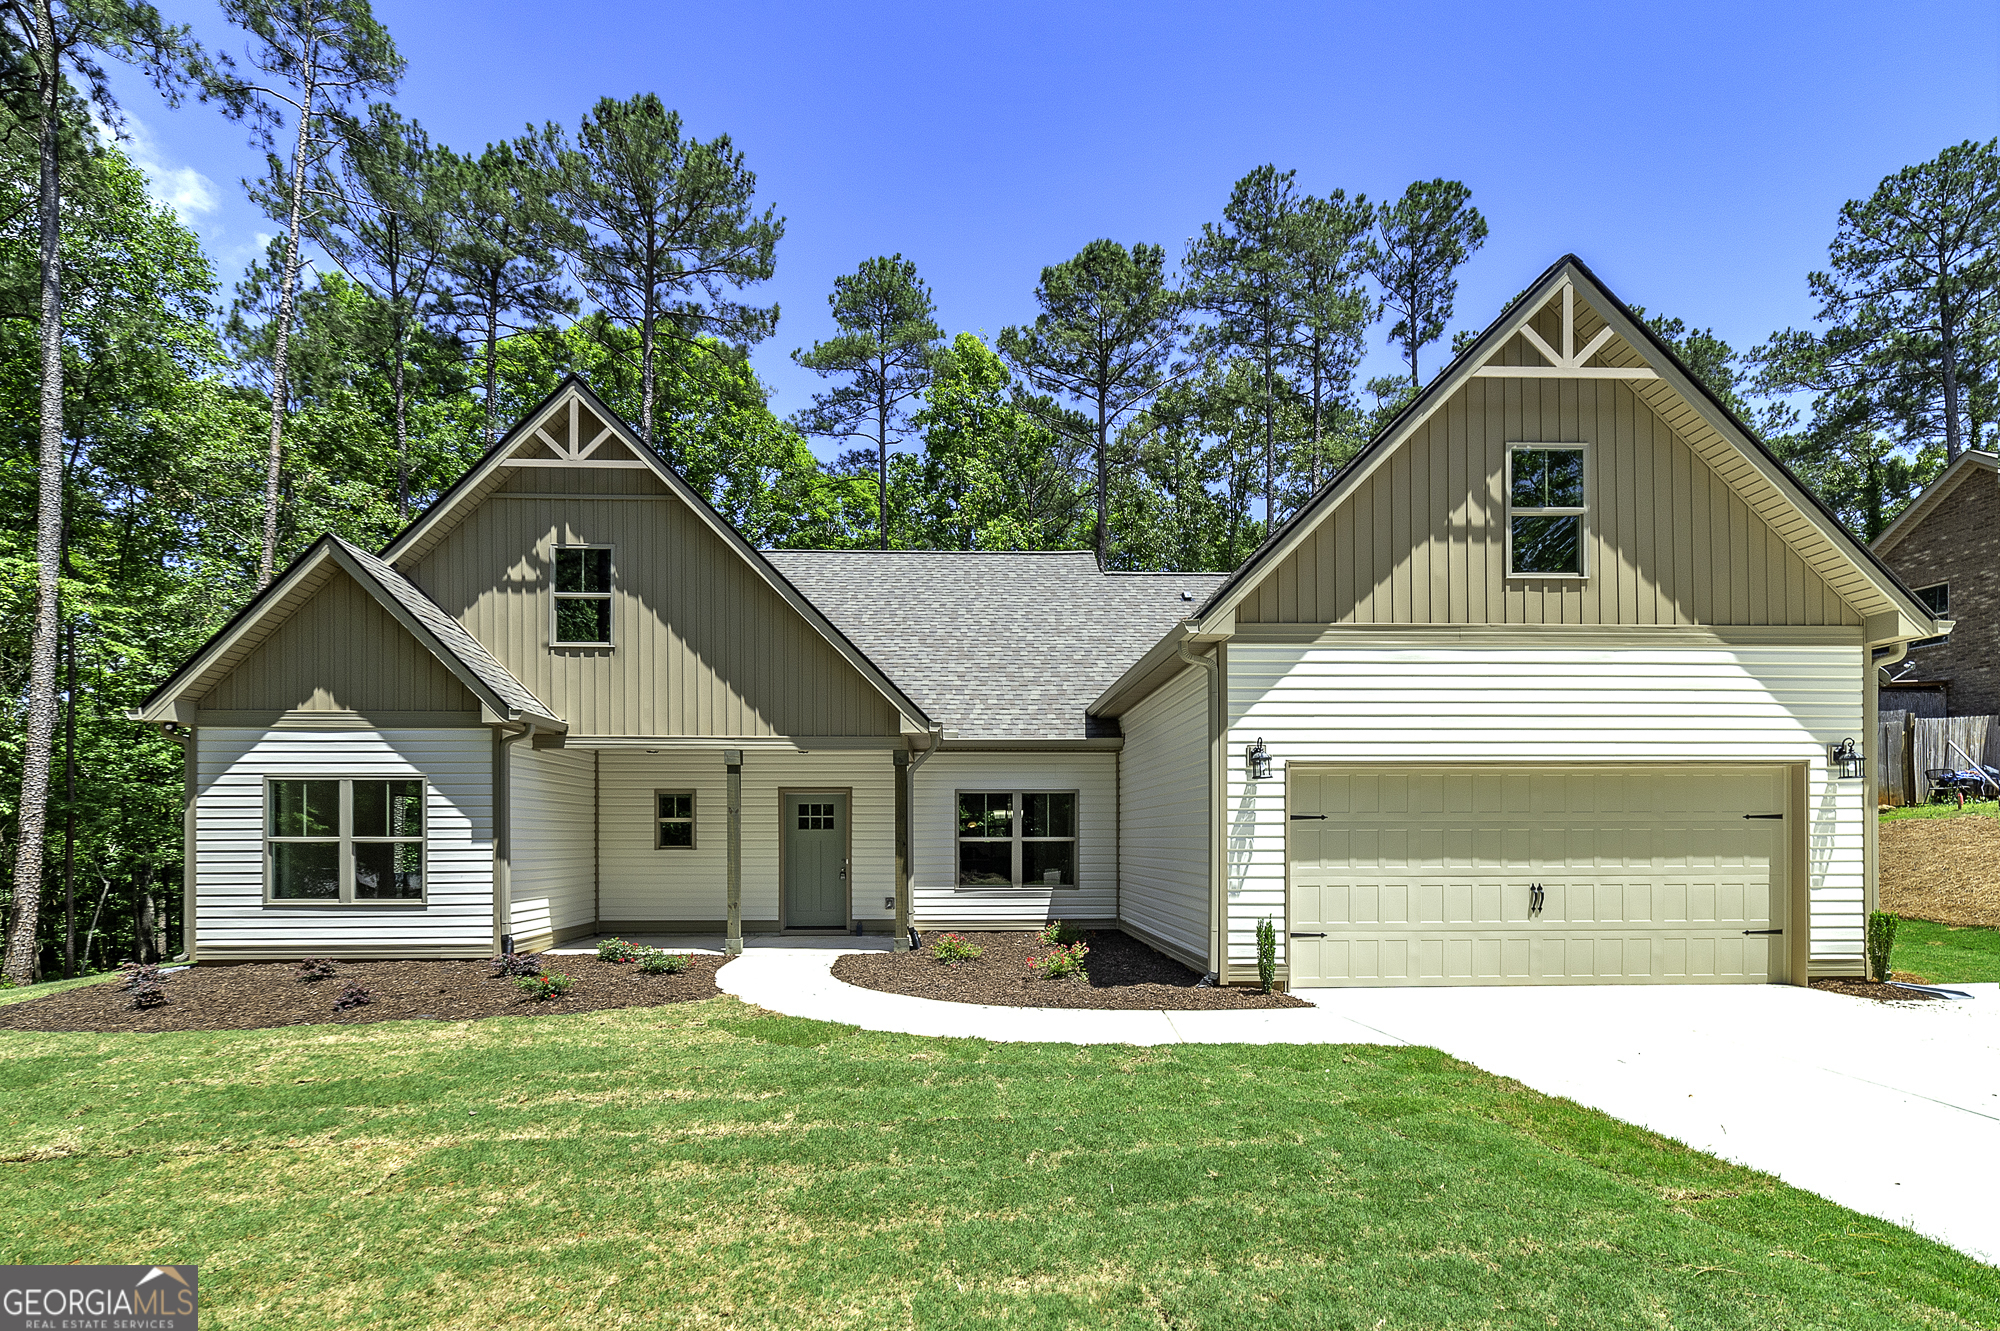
716, 523
1934, 494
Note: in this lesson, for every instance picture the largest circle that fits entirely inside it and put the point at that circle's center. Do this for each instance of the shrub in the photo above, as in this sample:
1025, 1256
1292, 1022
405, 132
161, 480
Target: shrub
147, 994
656, 962
541, 988
315, 968
1062, 963
138, 976
518, 963
1267, 954
618, 950
1061, 933
950, 948
353, 996
1881, 938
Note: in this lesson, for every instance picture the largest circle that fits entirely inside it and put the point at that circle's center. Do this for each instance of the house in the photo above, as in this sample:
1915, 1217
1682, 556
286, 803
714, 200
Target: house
1542, 687
1946, 547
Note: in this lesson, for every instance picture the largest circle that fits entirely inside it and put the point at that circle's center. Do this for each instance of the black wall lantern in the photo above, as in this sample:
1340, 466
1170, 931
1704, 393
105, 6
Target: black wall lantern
1260, 761
1843, 762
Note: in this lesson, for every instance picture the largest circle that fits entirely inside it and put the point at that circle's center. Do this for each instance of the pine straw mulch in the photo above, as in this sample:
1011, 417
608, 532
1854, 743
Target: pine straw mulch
1124, 973
1943, 869
1881, 993
253, 996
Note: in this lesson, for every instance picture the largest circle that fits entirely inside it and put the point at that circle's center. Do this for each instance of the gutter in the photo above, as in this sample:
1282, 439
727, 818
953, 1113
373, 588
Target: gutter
1218, 933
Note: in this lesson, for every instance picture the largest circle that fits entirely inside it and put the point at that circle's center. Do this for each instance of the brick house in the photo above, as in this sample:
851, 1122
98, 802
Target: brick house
1946, 548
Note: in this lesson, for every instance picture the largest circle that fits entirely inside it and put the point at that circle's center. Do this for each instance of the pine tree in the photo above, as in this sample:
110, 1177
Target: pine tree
1422, 239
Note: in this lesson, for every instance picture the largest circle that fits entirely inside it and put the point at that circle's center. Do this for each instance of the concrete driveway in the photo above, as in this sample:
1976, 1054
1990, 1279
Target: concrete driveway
1891, 1109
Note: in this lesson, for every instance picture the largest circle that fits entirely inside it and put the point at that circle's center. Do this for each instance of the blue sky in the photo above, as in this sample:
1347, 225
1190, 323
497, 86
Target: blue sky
1694, 155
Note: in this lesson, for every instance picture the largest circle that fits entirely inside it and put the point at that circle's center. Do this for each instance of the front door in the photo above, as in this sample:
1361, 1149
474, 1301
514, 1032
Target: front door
816, 860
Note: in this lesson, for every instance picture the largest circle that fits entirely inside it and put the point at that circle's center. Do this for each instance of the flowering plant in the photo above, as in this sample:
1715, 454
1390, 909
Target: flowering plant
541, 988
652, 961
1062, 963
1060, 933
618, 950
950, 948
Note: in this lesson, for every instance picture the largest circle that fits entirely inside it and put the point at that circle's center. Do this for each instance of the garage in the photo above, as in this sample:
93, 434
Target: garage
1536, 875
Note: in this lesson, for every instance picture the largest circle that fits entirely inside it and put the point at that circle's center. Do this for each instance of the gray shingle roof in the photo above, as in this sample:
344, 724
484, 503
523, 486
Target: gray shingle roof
995, 645
449, 632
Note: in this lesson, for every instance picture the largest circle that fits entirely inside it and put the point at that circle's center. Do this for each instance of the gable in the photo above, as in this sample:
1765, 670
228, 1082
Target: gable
1953, 538
1422, 538
1962, 479
1594, 372
708, 640
339, 651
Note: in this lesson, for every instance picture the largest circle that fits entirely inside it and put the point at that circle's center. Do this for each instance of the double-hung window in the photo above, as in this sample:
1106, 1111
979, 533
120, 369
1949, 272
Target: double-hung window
1545, 510
344, 839
673, 819
1017, 839
582, 609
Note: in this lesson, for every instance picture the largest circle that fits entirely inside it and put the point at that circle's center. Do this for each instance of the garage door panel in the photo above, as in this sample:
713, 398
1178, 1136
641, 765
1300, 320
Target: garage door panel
1646, 876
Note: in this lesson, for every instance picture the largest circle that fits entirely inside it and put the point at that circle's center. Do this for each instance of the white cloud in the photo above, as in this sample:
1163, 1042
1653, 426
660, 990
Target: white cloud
182, 188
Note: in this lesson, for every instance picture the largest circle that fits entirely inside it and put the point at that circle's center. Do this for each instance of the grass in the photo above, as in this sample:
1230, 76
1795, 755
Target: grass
1973, 808
710, 1165
23, 993
1946, 954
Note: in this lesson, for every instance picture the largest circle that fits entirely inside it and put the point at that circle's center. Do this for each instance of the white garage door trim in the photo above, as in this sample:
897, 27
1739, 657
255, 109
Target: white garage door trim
1452, 925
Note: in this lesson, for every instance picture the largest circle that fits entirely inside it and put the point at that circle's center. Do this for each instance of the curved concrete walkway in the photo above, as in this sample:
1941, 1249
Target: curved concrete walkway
1890, 1109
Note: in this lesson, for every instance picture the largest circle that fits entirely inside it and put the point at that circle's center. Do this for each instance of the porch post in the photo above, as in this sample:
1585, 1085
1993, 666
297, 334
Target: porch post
902, 940
733, 944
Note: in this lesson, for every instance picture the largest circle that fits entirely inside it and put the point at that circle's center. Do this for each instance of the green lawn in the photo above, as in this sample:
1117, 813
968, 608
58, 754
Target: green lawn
27, 991
709, 1165
1944, 954
1981, 808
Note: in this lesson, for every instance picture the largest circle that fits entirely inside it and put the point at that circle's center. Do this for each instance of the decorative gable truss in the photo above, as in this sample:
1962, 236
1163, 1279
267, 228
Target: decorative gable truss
1570, 362
574, 450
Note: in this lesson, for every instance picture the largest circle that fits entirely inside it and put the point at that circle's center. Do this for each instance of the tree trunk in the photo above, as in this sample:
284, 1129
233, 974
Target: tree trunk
1954, 441
492, 350
22, 953
1103, 485
1270, 454
69, 807
396, 325
274, 462
882, 464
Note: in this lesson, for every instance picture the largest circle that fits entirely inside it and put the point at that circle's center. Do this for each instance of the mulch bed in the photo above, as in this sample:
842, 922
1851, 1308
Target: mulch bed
1881, 993
1943, 869
254, 996
1124, 973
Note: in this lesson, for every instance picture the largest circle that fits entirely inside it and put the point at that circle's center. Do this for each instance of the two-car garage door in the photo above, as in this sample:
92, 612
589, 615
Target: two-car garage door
1535, 875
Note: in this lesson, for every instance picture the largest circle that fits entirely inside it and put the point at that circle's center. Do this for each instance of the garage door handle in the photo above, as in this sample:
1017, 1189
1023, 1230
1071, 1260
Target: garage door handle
1763, 815
1301, 817
1761, 932
1308, 935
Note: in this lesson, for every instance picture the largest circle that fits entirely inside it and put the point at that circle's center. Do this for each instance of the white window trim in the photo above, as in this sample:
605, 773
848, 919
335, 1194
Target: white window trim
346, 841
1017, 821
693, 818
609, 597
1583, 526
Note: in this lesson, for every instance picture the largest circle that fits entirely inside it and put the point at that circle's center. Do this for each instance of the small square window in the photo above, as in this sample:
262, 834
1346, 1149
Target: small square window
817, 818
674, 819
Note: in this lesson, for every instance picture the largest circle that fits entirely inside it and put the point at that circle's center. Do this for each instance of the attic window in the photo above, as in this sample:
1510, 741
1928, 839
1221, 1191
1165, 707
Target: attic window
582, 609
1545, 510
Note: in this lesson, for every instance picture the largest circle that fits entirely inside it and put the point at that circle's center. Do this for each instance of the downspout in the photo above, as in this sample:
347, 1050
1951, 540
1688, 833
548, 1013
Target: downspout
1871, 772
732, 940
1217, 901
503, 835
189, 861
906, 934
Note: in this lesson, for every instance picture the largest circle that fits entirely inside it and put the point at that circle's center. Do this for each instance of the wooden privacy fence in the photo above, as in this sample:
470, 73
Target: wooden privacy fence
1907, 745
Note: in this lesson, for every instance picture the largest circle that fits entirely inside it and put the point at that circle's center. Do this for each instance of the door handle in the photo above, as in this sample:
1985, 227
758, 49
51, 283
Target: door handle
1762, 932
1297, 935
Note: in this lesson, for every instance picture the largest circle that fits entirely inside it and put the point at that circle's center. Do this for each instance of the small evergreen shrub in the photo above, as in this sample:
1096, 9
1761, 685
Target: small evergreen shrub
1881, 940
656, 962
137, 976
1062, 963
1061, 933
1267, 954
353, 996
315, 968
951, 949
619, 951
518, 963
541, 988
147, 994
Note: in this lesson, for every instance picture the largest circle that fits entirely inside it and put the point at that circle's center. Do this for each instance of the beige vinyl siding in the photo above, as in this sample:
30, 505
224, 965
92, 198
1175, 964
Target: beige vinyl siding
1423, 538
553, 875
702, 645
936, 901
231, 920
340, 651
1163, 816
1469, 702
646, 885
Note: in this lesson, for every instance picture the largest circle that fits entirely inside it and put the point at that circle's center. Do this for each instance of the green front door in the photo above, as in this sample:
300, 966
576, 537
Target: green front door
816, 860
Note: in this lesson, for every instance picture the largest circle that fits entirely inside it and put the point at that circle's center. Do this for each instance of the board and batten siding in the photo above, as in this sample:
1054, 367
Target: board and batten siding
1413, 702
552, 874
936, 900
232, 921
1423, 538
340, 652
702, 646
641, 884
1163, 817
